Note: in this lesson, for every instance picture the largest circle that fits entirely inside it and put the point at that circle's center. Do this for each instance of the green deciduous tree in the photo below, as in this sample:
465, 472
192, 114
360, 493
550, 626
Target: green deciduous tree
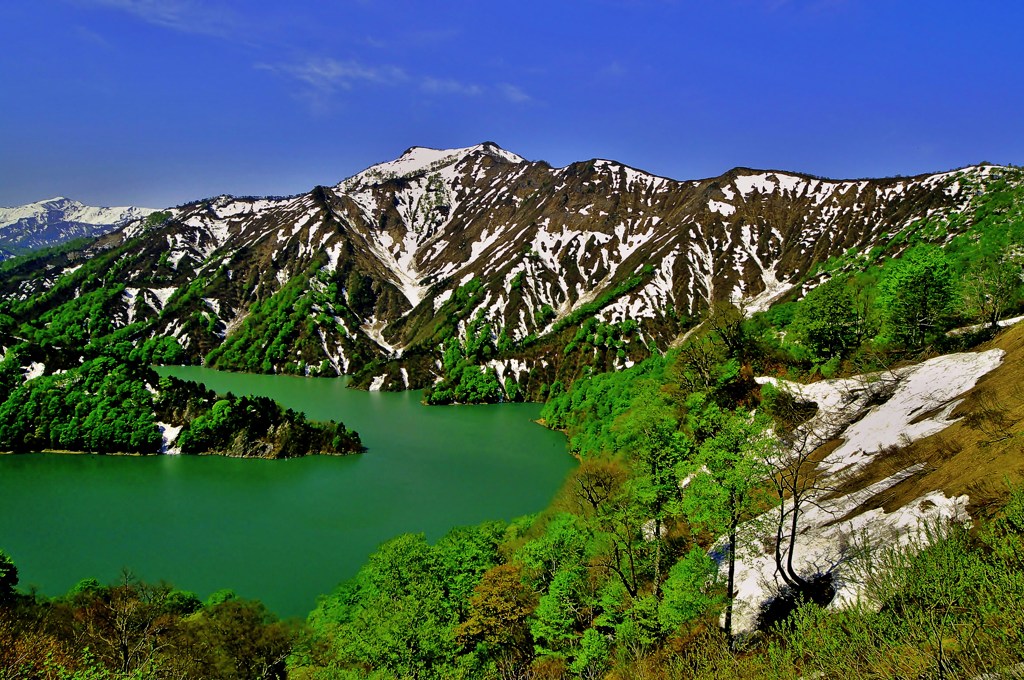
564, 543
650, 433
592, 659
498, 611
826, 320
730, 471
915, 296
690, 590
555, 619
992, 283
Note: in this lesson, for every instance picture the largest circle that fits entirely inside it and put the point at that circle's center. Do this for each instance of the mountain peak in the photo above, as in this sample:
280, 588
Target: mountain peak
55, 201
417, 160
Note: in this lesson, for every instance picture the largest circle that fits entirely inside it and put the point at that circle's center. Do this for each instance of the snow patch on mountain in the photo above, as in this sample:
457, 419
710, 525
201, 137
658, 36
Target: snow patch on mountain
162, 295
418, 160
825, 542
748, 184
929, 387
925, 387
70, 210
169, 434
721, 208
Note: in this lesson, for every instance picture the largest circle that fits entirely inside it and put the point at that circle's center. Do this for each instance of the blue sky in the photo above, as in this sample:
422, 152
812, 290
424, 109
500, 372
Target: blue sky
156, 102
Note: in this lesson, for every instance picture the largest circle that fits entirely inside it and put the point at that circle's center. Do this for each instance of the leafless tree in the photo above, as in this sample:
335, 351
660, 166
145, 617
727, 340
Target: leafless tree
798, 481
128, 626
697, 364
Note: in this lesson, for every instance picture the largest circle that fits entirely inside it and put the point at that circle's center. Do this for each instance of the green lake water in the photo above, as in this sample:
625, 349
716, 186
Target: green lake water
282, 531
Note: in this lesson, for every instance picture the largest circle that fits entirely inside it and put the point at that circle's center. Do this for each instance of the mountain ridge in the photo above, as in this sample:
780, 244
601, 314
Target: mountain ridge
383, 261
53, 221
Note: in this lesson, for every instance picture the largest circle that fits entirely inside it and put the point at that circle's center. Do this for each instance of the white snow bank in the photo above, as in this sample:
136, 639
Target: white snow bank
935, 384
916, 390
825, 543
1002, 323
721, 208
374, 329
918, 401
169, 433
162, 295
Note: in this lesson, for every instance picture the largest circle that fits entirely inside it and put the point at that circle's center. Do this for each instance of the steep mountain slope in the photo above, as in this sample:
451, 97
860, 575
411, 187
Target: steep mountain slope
505, 258
58, 220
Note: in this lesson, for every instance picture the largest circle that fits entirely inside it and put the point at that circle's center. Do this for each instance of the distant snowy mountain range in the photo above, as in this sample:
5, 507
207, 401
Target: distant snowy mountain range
57, 220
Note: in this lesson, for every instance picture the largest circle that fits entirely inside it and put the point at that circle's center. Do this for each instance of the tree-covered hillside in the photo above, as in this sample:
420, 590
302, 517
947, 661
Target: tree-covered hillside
71, 378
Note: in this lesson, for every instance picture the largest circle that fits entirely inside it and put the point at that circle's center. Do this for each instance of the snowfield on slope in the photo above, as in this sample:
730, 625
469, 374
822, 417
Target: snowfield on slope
918, 402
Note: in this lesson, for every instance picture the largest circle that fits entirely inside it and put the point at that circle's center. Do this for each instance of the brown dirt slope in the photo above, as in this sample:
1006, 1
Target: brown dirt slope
977, 454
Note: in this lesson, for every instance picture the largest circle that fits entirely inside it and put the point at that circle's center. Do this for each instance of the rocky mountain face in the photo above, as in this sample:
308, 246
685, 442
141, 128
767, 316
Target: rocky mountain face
540, 273
56, 221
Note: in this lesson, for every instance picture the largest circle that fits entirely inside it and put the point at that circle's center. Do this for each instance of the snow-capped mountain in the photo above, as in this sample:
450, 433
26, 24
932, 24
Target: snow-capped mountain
58, 220
371, 275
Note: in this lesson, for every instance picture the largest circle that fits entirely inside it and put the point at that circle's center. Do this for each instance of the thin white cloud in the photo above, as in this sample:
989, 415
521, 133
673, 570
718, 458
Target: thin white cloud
450, 86
92, 37
184, 16
376, 43
326, 74
514, 93
320, 78
614, 70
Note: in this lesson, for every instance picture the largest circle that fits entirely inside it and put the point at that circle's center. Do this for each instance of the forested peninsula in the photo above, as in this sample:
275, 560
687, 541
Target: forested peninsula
89, 386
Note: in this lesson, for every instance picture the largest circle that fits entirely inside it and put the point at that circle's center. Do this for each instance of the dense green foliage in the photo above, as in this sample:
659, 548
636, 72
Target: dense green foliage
107, 405
103, 406
915, 297
136, 630
97, 393
247, 426
402, 611
826, 320
284, 331
465, 380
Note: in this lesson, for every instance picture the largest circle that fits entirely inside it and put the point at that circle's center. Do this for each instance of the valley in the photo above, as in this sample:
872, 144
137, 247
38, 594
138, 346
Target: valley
783, 394
282, 531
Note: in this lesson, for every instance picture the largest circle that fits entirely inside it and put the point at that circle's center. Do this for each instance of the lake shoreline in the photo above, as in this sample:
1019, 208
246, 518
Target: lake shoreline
283, 534
161, 454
